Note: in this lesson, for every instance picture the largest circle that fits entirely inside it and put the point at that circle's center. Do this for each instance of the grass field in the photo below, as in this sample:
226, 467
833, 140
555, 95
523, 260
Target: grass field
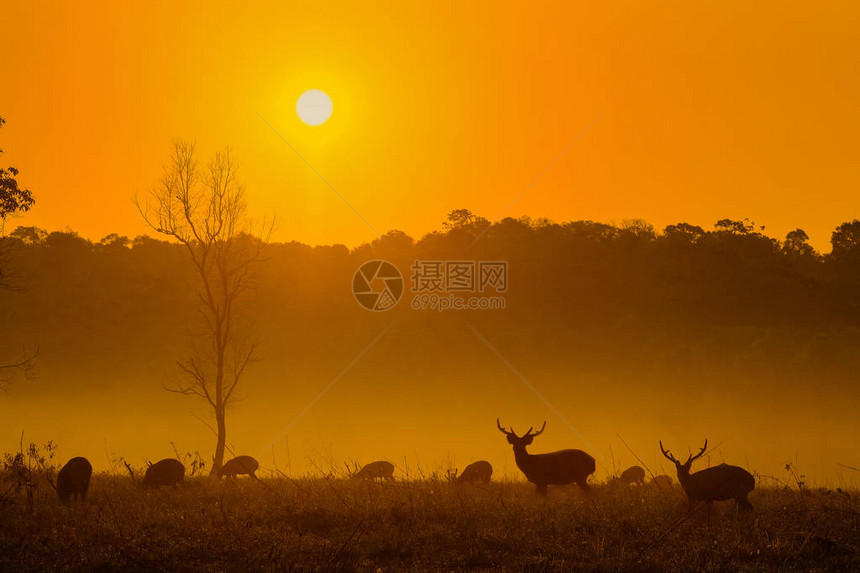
323, 524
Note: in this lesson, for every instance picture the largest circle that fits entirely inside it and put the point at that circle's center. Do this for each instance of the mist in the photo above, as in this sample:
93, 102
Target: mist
617, 336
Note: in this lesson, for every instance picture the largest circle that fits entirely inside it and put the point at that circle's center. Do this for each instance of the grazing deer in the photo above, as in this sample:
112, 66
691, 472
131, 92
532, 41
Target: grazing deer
662, 481
74, 479
633, 474
373, 470
556, 468
169, 472
717, 483
240, 465
478, 472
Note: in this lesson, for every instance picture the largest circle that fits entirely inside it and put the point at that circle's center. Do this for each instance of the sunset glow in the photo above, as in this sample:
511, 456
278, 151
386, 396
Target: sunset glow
725, 110
423, 286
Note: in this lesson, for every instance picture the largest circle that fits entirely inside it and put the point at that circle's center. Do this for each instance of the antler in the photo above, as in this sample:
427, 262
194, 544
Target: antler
666, 453
538, 433
700, 454
504, 431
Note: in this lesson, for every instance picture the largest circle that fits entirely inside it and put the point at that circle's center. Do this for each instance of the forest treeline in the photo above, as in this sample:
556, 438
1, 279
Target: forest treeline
732, 274
683, 298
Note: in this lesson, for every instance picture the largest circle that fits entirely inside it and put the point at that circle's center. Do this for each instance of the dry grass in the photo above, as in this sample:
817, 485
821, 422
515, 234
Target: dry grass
325, 524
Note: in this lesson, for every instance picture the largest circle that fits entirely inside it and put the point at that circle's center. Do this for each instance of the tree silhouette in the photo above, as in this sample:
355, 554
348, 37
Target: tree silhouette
796, 244
464, 219
206, 212
735, 227
13, 200
683, 233
29, 235
846, 239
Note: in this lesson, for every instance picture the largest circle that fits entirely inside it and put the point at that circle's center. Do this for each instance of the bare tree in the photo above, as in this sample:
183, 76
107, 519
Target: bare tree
26, 365
206, 212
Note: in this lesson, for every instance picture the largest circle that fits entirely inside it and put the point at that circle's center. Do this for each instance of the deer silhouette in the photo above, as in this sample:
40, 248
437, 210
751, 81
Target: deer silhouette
240, 465
74, 479
167, 472
555, 468
476, 472
373, 470
662, 481
633, 474
717, 483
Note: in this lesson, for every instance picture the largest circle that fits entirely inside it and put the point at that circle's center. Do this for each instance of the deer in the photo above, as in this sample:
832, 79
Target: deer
661, 481
555, 468
240, 465
167, 472
633, 474
74, 479
477, 472
718, 483
373, 470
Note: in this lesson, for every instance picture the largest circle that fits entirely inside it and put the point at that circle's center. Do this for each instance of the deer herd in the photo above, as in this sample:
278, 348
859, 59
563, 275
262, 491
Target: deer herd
717, 483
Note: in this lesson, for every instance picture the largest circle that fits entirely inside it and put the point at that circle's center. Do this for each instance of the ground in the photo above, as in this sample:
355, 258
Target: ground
322, 524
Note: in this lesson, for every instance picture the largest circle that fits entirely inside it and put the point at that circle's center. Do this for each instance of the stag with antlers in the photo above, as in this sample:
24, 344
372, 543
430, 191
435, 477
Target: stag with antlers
718, 483
555, 468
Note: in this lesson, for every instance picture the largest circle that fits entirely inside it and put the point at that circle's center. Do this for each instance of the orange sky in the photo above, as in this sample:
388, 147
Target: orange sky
710, 110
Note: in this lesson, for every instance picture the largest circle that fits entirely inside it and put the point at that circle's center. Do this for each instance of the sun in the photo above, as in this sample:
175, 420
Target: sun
314, 107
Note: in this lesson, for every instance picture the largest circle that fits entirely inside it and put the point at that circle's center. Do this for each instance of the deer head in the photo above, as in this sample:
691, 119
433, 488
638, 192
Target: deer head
522, 441
683, 469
